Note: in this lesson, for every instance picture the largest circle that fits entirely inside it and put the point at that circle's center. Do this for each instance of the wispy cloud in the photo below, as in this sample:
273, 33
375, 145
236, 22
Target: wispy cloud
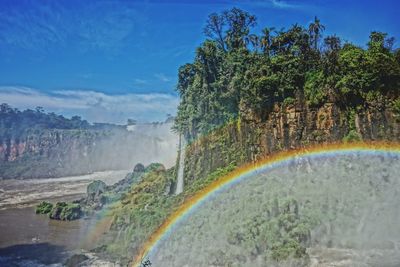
273, 4
94, 106
140, 81
282, 4
162, 77
103, 25
86, 75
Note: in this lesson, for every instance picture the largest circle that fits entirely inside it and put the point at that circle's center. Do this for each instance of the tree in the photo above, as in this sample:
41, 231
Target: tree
266, 40
315, 30
332, 43
252, 39
383, 68
230, 29
239, 24
214, 29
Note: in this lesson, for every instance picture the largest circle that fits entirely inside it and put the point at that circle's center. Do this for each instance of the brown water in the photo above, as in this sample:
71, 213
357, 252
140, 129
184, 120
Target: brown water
25, 235
22, 193
28, 239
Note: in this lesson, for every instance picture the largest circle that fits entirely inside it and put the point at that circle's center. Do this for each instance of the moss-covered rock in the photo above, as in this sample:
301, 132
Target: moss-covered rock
95, 189
43, 208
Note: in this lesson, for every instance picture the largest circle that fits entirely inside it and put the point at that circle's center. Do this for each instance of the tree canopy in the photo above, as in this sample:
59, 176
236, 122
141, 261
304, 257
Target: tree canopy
236, 71
14, 123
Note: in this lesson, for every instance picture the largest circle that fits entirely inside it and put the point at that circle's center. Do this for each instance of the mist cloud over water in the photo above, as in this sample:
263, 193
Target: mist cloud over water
343, 209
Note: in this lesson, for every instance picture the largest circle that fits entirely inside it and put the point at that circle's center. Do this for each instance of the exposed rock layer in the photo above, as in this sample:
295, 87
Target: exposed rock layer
253, 136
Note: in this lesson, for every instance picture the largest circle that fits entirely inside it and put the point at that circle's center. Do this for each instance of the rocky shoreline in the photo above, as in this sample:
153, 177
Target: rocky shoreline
98, 194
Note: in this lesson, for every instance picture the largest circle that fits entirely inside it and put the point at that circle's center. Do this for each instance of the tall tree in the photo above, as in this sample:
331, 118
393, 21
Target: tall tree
315, 30
266, 39
239, 24
214, 29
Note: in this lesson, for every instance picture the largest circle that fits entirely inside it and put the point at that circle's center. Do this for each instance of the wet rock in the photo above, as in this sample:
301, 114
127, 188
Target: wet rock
76, 260
94, 190
89, 259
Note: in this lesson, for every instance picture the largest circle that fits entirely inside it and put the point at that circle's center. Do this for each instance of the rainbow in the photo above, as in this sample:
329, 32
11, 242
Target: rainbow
196, 200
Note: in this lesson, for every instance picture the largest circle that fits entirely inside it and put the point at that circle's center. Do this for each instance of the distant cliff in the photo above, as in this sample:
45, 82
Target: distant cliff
41, 151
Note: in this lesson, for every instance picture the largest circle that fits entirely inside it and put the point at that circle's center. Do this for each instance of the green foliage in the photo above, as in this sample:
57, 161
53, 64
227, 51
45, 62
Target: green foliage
352, 136
66, 211
141, 211
16, 123
154, 167
237, 73
396, 106
314, 88
289, 101
279, 233
363, 71
353, 66
44, 208
288, 248
199, 184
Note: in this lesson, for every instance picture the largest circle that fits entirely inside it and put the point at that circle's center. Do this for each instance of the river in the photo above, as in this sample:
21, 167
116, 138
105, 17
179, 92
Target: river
27, 239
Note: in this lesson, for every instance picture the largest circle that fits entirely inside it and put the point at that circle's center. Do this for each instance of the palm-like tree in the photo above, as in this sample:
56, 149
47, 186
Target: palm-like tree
332, 43
253, 40
266, 39
315, 29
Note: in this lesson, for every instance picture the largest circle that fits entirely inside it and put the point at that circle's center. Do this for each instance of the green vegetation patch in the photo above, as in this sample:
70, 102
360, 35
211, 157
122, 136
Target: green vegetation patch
66, 211
44, 208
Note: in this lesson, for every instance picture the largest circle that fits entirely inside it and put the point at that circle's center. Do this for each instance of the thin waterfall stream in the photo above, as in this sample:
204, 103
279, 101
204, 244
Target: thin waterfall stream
181, 165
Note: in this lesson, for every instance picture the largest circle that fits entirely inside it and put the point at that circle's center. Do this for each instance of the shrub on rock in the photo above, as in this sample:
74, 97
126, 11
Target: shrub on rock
66, 211
43, 208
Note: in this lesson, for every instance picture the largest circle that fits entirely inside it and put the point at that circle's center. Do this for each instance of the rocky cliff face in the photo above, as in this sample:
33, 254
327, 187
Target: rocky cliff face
48, 153
53, 153
287, 127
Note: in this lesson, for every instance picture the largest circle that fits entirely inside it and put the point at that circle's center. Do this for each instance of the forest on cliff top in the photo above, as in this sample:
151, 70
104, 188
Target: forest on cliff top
237, 72
15, 123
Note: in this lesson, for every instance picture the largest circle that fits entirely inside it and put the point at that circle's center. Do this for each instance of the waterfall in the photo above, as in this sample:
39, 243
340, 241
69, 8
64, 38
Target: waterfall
181, 165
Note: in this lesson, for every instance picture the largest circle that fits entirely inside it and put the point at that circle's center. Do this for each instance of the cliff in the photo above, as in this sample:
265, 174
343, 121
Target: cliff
62, 152
287, 127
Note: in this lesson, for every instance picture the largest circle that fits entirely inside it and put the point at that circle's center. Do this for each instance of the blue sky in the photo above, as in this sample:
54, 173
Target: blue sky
109, 60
